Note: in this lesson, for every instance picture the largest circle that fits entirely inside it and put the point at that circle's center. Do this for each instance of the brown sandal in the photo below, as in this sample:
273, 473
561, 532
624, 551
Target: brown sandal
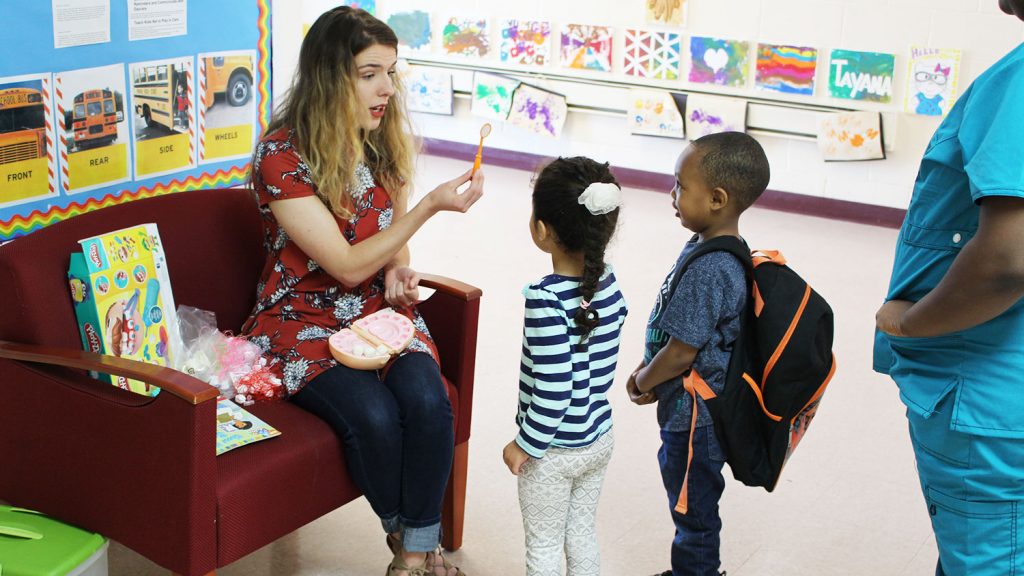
435, 565
438, 565
397, 564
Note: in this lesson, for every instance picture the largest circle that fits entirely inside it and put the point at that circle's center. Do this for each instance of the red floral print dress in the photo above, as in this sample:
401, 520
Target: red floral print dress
299, 306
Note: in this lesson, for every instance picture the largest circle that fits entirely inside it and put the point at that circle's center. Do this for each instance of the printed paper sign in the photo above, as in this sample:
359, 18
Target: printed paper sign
227, 105
163, 104
94, 128
28, 150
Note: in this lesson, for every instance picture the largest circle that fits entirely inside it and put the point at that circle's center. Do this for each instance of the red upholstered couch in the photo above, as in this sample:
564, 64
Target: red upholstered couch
142, 470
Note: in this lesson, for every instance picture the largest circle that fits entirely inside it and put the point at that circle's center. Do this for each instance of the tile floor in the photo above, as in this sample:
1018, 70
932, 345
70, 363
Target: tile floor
848, 504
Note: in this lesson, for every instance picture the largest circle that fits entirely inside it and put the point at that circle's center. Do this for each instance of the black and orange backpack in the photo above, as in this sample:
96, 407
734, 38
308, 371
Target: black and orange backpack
781, 364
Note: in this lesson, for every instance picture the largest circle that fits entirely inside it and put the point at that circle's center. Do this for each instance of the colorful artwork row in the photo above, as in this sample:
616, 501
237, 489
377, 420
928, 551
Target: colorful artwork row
659, 54
843, 136
678, 115
88, 129
494, 96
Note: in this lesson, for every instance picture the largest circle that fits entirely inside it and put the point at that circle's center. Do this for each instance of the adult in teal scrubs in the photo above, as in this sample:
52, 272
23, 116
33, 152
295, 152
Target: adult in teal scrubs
951, 333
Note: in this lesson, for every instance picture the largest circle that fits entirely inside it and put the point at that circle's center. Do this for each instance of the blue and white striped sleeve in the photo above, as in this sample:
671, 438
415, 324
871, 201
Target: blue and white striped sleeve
545, 377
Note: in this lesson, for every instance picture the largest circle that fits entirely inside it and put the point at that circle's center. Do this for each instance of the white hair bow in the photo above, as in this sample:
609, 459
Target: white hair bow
601, 198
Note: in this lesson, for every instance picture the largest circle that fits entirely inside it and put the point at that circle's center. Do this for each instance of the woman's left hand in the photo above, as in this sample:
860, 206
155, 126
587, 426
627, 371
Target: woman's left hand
401, 286
889, 318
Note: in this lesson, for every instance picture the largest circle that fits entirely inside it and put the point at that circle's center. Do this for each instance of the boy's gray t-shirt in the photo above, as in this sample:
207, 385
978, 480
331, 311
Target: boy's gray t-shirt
703, 312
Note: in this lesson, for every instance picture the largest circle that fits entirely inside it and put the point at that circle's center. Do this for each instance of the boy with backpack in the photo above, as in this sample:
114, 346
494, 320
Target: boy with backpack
690, 335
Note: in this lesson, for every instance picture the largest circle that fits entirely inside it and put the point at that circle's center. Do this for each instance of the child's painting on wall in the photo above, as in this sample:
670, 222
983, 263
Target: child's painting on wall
786, 69
413, 31
932, 80
428, 90
861, 75
713, 114
465, 37
492, 95
587, 47
718, 61
849, 136
656, 113
538, 110
651, 54
668, 12
526, 42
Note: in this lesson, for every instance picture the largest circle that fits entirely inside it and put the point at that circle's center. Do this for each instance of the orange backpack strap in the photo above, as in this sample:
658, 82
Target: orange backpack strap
759, 257
694, 384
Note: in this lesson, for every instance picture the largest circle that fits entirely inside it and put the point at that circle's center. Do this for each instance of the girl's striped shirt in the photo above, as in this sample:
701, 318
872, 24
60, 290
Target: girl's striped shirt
563, 391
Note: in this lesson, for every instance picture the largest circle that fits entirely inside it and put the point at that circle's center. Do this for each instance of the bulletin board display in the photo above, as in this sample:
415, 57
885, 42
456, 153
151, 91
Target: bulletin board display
114, 119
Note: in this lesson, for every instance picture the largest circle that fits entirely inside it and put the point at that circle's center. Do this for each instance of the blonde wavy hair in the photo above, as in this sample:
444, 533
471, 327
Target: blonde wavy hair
322, 108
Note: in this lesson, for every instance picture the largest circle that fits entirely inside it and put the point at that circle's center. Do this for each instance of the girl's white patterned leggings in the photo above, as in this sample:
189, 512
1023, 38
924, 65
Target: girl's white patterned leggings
558, 496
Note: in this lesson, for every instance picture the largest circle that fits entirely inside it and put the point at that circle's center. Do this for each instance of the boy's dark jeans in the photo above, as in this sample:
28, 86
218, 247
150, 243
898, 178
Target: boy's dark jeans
695, 547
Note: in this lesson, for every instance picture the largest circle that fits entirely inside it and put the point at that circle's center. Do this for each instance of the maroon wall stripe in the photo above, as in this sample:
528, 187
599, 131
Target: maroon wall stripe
771, 199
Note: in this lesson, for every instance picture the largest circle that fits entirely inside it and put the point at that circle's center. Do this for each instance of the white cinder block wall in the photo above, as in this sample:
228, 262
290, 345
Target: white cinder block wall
976, 26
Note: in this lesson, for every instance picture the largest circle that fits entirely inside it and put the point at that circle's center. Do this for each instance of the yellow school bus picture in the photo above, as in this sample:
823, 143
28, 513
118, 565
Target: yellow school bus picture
22, 124
160, 96
94, 118
229, 76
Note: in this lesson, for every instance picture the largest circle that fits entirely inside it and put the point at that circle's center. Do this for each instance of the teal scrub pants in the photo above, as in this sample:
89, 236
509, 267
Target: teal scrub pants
974, 489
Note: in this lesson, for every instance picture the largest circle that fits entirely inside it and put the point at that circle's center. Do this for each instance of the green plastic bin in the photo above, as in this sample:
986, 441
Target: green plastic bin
32, 544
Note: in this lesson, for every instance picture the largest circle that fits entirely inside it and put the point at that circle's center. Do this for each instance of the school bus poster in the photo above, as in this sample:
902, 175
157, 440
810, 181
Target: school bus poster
227, 108
93, 129
163, 107
28, 157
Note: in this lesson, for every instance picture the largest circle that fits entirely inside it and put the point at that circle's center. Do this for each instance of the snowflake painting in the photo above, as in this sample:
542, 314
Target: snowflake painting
652, 54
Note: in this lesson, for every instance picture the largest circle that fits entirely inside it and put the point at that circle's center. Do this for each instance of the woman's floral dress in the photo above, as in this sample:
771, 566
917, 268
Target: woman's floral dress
299, 306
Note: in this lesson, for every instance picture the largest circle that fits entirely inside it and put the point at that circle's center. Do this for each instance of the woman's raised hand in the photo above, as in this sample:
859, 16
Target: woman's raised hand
447, 197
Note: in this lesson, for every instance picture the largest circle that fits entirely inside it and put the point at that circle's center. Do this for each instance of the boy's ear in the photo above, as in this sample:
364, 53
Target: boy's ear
719, 198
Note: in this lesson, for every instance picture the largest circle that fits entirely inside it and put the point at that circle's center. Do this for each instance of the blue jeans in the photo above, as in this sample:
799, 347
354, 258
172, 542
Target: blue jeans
974, 489
398, 440
695, 549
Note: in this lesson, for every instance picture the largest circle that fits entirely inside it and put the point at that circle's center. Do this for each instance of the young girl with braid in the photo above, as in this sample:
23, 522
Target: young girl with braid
571, 334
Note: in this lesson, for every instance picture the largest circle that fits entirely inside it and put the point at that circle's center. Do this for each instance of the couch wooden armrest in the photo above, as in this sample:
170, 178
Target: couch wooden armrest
177, 383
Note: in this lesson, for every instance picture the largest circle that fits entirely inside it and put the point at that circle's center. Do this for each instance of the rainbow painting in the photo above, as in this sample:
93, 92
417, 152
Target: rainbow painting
720, 62
465, 37
786, 69
587, 47
525, 42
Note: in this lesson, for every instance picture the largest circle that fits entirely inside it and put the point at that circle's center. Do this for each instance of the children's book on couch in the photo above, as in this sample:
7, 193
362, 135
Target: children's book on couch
237, 427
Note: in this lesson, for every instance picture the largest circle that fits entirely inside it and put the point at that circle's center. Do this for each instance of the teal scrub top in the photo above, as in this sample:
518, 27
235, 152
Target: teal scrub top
977, 151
